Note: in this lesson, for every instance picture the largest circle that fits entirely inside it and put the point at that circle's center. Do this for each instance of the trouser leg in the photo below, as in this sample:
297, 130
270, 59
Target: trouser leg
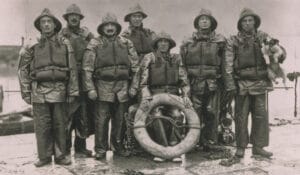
91, 113
81, 126
43, 130
72, 111
59, 120
242, 107
212, 117
102, 118
118, 125
198, 104
260, 125
175, 134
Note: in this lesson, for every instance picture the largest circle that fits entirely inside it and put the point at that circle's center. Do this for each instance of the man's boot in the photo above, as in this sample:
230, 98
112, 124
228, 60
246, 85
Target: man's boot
80, 148
240, 152
100, 156
43, 162
122, 153
63, 161
261, 152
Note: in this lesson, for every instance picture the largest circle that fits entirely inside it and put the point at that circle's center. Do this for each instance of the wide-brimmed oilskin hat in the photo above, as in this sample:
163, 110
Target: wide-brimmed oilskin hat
135, 9
248, 12
109, 18
73, 9
163, 35
46, 12
205, 12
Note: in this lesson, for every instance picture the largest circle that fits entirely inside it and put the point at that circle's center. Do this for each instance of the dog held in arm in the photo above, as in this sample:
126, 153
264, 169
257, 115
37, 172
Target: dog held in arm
273, 54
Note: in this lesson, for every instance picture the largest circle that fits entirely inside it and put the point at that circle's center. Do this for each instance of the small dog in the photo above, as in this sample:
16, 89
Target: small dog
273, 55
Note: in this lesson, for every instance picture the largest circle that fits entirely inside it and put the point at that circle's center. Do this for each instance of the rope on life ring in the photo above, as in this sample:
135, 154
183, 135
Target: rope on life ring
168, 152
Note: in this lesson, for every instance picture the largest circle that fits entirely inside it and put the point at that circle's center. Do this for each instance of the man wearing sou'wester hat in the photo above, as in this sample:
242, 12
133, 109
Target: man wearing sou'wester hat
141, 38
163, 72
202, 54
80, 110
48, 78
246, 72
108, 63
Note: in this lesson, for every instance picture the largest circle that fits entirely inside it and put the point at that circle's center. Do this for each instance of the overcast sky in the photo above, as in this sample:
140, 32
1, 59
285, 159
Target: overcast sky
279, 17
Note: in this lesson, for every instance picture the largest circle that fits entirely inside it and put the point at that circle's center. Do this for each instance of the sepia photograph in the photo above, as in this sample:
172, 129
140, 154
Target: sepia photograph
149, 87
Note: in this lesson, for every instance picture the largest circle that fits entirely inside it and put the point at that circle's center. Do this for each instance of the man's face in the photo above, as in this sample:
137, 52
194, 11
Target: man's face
73, 20
163, 45
47, 25
204, 22
136, 19
248, 23
110, 29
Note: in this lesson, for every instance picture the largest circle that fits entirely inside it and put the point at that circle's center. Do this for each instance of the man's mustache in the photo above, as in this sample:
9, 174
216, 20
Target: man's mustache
109, 30
74, 20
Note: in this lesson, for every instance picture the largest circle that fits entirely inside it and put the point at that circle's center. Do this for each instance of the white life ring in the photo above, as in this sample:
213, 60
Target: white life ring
168, 152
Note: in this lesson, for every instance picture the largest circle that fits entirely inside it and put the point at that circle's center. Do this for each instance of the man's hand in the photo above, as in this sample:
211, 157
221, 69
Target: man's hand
132, 92
27, 100
187, 102
146, 100
85, 32
92, 94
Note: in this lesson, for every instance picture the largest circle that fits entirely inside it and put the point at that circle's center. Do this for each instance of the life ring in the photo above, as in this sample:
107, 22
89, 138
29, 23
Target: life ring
168, 152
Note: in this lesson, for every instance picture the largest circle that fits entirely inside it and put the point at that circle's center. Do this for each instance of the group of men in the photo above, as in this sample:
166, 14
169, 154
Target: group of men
76, 81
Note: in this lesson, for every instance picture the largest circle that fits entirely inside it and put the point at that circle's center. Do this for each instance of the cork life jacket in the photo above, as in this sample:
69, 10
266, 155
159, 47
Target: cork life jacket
112, 62
163, 73
50, 62
202, 60
141, 41
249, 62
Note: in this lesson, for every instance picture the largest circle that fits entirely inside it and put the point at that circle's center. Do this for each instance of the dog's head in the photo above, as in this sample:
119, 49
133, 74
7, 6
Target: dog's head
270, 41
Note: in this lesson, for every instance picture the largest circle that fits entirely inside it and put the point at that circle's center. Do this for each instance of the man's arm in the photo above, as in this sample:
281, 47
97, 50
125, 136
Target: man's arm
228, 65
73, 88
25, 59
144, 76
88, 66
132, 55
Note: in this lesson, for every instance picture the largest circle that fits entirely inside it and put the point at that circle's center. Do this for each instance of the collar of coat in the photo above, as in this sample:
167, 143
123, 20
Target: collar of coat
210, 37
213, 37
164, 56
132, 30
54, 37
83, 32
201, 36
242, 37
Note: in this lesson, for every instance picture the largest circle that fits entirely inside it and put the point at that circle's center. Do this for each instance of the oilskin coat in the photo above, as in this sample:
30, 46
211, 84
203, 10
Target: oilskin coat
49, 94
107, 68
203, 55
246, 68
80, 110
